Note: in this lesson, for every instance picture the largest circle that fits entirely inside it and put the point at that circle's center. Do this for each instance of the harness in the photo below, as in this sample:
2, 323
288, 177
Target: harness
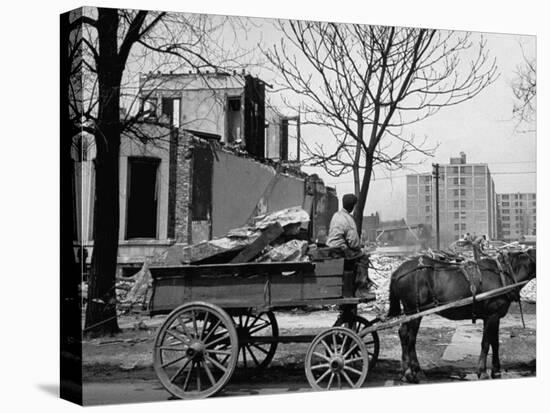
471, 270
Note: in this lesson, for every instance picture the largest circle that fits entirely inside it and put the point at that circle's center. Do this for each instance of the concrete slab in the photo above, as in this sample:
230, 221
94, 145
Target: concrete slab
466, 342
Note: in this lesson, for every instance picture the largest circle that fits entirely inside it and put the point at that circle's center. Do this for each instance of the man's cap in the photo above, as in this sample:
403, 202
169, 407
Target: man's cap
349, 200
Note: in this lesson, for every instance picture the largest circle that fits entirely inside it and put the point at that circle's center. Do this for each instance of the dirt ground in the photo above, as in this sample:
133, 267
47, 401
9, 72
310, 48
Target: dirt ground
119, 369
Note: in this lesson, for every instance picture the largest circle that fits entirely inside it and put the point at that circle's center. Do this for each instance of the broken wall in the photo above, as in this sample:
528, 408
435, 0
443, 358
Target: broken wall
243, 188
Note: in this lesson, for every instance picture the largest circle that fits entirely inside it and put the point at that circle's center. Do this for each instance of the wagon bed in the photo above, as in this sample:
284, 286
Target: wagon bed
262, 286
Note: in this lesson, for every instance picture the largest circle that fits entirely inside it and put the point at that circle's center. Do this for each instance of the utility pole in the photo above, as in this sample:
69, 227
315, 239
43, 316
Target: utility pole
435, 168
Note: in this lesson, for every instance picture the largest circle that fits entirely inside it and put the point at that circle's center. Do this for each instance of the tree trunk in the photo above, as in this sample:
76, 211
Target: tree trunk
362, 197
70, 277
101, 317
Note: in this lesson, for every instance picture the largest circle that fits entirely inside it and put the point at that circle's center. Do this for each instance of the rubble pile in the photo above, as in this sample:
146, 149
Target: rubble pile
380, 273
266, 233
529, 292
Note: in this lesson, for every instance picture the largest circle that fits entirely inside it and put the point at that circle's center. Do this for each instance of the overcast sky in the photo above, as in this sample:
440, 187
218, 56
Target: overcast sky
482, 127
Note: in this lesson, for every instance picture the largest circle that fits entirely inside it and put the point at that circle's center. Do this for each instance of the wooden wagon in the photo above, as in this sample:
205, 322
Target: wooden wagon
221, 316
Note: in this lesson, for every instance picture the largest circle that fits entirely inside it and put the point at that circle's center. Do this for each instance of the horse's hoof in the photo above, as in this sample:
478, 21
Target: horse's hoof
496, 374
483, 376
410, 377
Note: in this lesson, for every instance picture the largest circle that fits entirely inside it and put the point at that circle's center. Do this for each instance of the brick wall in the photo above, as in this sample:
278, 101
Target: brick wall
182, 188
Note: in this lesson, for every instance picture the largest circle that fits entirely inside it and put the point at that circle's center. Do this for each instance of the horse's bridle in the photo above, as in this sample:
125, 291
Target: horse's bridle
506, 258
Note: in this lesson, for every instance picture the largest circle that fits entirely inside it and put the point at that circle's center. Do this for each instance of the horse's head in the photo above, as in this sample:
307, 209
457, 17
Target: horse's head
524, 264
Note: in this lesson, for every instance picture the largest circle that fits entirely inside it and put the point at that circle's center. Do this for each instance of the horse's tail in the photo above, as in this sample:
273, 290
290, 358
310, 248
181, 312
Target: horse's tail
395, 305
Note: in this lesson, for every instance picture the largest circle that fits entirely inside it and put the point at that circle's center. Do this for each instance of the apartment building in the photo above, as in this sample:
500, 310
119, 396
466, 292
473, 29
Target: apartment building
467, 200
517, 215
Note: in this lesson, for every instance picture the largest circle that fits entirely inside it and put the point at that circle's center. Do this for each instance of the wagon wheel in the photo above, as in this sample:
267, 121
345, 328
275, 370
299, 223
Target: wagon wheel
371, 340
196, 350
336, 358
251, 329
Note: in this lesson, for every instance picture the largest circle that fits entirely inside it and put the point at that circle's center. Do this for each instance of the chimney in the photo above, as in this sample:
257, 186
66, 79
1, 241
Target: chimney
462, 157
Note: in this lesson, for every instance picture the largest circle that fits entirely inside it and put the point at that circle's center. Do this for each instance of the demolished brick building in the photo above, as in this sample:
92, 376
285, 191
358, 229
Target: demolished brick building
208, 156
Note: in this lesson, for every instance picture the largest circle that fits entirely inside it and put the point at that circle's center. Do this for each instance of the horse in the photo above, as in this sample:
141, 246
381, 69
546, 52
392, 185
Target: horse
423, 282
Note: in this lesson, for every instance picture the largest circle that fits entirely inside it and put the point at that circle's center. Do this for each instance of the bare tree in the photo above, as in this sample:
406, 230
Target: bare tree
524, 87
366, 83
104, 45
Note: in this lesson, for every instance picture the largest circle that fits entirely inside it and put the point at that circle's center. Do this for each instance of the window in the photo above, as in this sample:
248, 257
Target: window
149, 108
457, 227
505, 211
428, 198
463, 226
141, 214
428, 208
506, 204
456, 215
506, 225
455, 192
234, 119
456, 204
506, 218
427, 188
171, 108
505, 196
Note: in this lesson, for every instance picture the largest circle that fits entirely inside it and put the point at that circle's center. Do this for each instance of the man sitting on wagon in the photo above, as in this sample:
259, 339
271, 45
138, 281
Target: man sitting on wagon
343, 235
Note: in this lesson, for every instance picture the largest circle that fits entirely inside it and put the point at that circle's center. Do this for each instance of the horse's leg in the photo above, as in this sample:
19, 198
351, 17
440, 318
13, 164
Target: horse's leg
414, 325
405, 359
493, 336
482, 364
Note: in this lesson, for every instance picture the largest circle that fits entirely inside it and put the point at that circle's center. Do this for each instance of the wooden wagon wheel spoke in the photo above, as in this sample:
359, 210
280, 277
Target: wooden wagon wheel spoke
320, 366
348, 368
184, 328
204, 323
330, 381
253, 356
347, 378
259, 348
207, 332
244, 356
223, 337
218, 351
348, 349
180, 370
209, 373
328, 349
183, 339
321, 356
212, 329
359, 324
216, 363
348, 361
325, 374
174, 361
252, 329
259, 328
